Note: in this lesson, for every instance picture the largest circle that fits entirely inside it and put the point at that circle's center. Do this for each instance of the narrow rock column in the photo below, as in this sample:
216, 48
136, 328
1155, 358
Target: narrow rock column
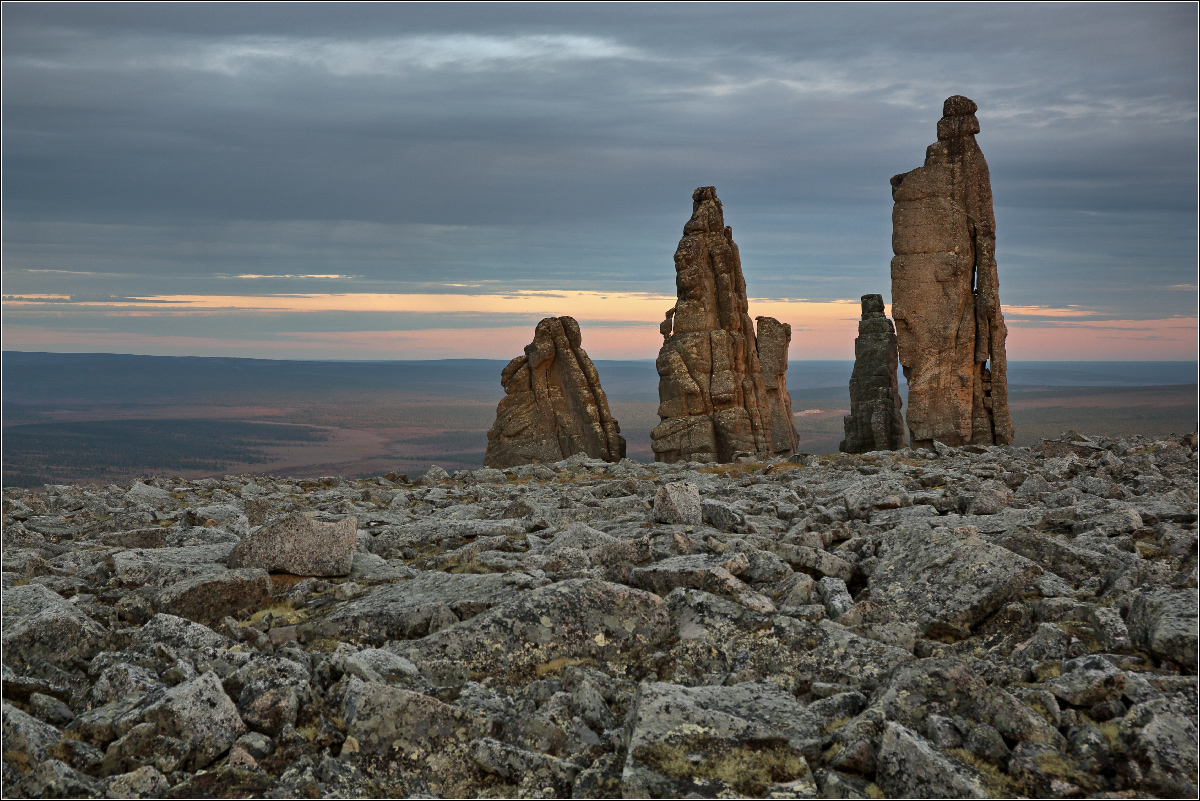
716, 399
875, 422
945, 291
553, 405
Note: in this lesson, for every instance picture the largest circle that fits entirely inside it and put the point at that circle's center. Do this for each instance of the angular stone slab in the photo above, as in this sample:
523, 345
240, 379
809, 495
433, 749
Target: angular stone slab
300, 546
39, 624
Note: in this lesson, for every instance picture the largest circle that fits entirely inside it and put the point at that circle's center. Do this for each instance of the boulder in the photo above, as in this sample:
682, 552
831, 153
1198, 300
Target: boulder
910, 767
875, 422
39, 624
721, 391
209, 598
397, 735
1163, 621
713, 741
199, 713
945, 291
553, 406
298, 545
677, 502
947, 577
574, 619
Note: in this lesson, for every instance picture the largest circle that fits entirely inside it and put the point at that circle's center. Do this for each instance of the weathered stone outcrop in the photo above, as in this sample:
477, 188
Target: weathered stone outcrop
722, 390
553, 405
945, 292
875, 422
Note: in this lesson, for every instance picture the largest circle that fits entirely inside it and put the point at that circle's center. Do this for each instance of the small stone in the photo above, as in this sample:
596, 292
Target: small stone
678, 502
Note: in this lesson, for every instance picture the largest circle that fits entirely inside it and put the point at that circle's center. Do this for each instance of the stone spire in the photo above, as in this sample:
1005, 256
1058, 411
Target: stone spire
553, 405
945, 292
714, 399
875, 422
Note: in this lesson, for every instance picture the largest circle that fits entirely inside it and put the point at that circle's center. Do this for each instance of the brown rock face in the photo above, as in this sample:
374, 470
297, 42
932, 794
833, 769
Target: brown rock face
945, 292
721, 389
874, 422
553, 405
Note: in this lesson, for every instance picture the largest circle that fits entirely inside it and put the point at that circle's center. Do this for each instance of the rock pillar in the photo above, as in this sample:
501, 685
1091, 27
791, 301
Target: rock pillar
553, 405
722, 390
875, 422
945, 292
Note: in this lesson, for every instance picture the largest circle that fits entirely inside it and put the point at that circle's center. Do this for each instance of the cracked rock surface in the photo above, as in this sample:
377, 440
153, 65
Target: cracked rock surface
967, 622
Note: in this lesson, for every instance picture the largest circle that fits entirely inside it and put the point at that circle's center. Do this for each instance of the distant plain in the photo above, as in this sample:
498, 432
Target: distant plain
106, 417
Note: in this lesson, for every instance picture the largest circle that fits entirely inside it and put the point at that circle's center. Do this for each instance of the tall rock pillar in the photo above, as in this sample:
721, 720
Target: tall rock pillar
874, 422
722, 390
945, 292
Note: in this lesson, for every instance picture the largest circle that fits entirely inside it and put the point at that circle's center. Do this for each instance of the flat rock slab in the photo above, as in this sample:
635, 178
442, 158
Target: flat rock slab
954, 578
713, 741
162, 566
910, 767
408, 609
579, 619
298, 545
39, 624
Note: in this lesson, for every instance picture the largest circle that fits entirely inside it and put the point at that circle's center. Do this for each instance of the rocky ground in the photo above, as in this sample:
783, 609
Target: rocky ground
964, 623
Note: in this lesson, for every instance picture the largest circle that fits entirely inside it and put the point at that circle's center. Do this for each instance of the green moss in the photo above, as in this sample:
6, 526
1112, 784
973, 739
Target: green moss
872, 790
748, 768
995, 783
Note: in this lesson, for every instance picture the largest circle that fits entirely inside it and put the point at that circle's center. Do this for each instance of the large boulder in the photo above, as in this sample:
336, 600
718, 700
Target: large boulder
717, 396
1163, 621
575, 619
945, 291
39, 624
909, 766
402, 736
946, 577
714, 742
416, 607
301, 546
209, 598
553, 405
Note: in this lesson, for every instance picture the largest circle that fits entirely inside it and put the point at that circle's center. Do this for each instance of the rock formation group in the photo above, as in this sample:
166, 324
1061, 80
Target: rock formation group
723, 386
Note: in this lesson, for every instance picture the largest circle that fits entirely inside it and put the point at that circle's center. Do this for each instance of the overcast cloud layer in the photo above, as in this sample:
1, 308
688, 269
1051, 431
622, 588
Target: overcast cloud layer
243, 149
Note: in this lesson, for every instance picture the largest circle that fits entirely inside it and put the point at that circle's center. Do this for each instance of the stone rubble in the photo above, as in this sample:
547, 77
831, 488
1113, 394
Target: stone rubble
967, 622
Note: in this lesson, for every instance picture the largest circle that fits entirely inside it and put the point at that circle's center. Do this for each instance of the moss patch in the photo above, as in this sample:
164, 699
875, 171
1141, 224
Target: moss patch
995, 783
747, 768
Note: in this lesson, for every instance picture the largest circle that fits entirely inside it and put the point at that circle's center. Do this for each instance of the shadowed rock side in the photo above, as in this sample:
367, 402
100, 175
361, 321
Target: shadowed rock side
721, 390
553, 405
875, 422
945, 292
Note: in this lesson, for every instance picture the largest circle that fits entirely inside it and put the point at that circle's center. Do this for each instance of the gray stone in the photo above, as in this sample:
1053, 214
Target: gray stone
1088, 680
199, 713
145, 782
950, 577
209, 598
678, 502
714, 574
162, 566
717, 740
1164, 622
301, 546
39, 624
910, 767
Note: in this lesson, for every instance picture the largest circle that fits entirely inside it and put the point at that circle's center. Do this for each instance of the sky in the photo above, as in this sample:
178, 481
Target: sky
397, 181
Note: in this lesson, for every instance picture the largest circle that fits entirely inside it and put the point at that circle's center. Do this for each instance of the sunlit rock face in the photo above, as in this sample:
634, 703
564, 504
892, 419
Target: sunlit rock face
553, 405
875, 422
945, 292
722, 390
